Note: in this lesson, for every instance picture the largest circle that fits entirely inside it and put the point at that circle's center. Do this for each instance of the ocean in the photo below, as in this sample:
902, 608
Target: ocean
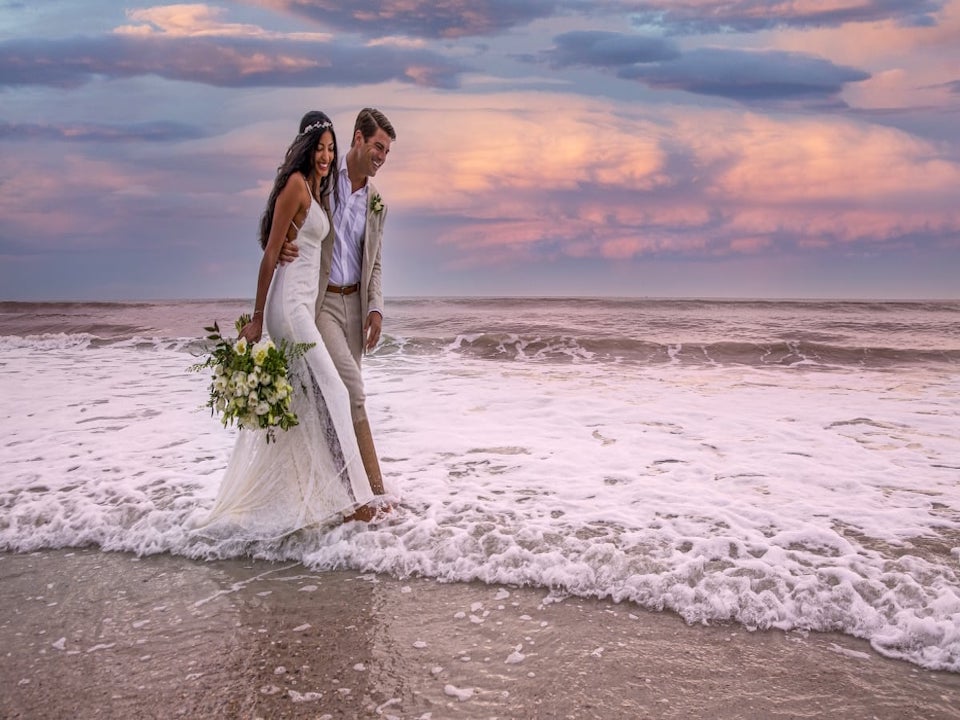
774, 464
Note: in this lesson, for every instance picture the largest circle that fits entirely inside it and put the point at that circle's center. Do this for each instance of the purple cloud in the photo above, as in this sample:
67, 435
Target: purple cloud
142, 132
710, 16
607, 49
419, 18
219, 61
747, 75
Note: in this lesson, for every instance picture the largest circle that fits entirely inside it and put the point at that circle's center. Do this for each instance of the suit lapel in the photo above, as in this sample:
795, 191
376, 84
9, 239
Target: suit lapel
370, 229
369, 217
326, 250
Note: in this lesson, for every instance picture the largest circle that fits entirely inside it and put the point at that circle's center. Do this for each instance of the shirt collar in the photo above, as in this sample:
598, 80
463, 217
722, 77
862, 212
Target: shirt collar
344, 175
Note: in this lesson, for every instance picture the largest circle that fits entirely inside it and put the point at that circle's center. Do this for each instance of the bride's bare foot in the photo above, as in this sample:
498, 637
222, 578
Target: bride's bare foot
364, 513
372, 511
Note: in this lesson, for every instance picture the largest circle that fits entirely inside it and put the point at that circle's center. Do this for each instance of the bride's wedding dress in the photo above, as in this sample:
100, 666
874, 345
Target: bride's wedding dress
313, 473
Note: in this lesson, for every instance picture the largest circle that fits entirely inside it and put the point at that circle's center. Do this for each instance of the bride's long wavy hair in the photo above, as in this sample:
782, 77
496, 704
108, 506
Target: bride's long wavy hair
299, 158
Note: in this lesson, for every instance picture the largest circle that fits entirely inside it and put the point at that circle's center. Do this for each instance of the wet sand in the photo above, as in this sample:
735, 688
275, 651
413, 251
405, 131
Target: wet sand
87, 634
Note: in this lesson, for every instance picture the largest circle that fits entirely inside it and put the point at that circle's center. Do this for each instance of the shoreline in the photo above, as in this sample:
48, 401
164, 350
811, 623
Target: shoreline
110, 635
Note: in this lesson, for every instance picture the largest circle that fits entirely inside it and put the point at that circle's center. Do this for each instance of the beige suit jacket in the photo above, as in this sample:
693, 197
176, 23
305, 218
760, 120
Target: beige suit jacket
371, 294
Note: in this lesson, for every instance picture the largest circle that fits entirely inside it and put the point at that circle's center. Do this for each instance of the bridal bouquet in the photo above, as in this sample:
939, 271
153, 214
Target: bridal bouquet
250, 385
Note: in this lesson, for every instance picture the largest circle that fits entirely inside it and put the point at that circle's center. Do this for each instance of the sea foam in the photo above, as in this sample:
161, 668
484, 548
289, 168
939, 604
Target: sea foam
773, 497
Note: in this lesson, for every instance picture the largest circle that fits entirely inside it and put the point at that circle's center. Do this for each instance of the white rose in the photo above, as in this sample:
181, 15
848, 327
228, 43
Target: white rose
260, 351
262, 408
240, 346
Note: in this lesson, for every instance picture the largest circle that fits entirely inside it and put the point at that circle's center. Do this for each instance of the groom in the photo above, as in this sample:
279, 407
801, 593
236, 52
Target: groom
350, 304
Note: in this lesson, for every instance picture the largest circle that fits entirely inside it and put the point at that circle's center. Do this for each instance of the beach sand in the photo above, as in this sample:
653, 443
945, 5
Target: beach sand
88, 634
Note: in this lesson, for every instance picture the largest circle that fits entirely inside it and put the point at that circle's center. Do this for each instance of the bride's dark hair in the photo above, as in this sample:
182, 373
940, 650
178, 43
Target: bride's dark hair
299, 157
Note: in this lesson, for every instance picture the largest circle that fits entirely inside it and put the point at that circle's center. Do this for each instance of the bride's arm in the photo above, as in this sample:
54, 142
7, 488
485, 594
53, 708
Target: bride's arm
290, 201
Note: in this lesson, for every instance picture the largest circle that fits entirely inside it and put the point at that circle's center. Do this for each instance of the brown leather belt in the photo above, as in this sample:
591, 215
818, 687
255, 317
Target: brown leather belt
343, 289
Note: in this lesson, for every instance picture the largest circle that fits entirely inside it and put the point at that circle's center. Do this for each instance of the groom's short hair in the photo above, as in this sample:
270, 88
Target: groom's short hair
368, 120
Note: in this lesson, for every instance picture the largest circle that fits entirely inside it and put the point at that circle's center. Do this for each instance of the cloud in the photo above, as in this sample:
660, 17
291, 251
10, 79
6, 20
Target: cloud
747, 75
710, 16
808, 163
908, 66
43, 208
198, 21
90, 132
91, 197
587, 181
419, 18
743, 75
607, 49
219, 61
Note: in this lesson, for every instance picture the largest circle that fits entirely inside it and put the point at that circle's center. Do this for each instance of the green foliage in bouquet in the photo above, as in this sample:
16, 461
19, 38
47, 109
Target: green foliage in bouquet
251, 384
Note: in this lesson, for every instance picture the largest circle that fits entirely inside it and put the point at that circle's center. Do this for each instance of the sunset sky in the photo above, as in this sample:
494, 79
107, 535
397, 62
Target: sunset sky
653, 148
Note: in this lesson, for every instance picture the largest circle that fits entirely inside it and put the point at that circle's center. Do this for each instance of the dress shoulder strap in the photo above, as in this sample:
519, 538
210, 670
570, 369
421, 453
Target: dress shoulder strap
308, 193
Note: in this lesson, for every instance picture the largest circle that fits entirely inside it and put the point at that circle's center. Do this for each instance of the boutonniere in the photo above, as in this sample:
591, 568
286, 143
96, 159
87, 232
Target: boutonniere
376, 204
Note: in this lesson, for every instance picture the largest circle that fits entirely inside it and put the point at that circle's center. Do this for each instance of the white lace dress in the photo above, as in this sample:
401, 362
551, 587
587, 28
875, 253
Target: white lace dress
313, 472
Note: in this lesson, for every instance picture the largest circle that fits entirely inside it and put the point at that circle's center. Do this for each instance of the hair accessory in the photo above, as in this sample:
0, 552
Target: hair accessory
317, 126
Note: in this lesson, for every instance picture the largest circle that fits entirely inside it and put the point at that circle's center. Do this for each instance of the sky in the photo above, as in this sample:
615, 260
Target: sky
638, 148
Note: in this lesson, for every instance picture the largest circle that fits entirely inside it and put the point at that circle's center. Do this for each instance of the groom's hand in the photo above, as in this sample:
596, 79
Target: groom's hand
288, 252
371, 330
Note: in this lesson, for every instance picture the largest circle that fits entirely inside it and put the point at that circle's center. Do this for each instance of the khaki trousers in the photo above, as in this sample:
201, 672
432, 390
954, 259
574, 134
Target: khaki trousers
341, 328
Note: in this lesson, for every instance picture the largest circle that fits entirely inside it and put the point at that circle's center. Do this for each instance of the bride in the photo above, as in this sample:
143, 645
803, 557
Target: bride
313, 474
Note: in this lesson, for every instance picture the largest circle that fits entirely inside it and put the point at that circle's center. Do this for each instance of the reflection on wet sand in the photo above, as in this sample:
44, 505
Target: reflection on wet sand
107, 635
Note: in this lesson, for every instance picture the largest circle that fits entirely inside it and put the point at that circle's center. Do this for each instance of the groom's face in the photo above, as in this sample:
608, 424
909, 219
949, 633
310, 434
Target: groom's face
373, 151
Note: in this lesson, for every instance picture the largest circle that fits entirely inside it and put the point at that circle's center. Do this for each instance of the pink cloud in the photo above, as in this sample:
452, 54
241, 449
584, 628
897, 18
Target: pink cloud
591, 183
909, 64
750, 245
199, 20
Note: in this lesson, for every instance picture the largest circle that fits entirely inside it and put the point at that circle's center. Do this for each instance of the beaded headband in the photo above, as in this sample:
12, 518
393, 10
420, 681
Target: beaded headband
317, 126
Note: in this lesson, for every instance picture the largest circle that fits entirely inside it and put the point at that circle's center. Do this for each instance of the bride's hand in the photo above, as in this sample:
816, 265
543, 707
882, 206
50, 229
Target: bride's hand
253, 330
